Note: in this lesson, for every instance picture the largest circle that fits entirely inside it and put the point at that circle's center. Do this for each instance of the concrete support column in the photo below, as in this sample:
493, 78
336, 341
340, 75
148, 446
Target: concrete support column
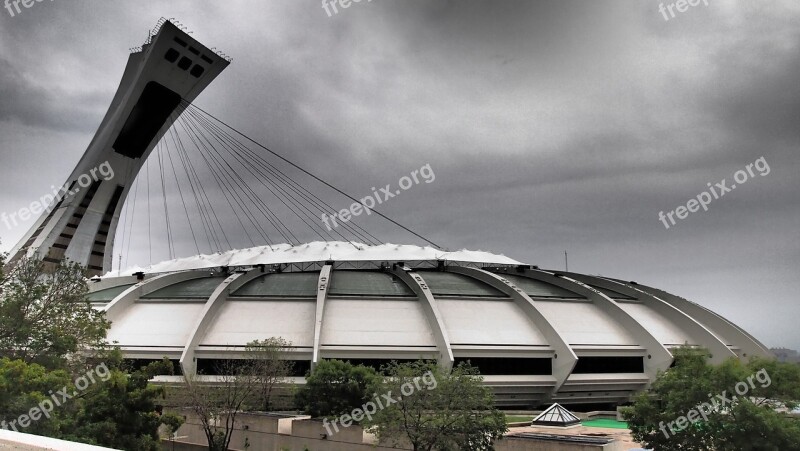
420, 288
322, 295
125, 299
565, 359
658, 357
209, 313
719, 350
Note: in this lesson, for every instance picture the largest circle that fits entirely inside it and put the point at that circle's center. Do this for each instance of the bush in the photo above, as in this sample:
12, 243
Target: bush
335, 388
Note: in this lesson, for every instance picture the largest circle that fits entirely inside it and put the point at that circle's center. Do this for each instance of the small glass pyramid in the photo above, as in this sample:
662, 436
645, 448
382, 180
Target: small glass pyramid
556, 415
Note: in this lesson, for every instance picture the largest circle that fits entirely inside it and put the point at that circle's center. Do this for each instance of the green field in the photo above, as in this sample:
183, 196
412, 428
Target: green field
519, 418
604, 423
598, 423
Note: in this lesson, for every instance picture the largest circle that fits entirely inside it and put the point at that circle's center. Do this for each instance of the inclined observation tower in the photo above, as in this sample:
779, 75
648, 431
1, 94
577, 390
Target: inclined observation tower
169, 68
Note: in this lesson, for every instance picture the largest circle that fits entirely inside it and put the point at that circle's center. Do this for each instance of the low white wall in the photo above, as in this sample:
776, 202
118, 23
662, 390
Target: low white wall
28, 442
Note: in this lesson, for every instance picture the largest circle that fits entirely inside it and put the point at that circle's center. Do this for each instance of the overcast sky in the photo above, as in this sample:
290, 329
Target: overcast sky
551, 126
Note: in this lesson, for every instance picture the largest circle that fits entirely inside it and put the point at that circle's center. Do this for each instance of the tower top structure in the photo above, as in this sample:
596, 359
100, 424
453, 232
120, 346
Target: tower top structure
168, 70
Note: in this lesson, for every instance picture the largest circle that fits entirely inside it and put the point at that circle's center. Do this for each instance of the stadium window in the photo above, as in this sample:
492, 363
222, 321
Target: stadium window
605, 365
496, 366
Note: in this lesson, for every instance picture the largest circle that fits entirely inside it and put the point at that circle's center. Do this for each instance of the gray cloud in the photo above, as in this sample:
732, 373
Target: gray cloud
550, 125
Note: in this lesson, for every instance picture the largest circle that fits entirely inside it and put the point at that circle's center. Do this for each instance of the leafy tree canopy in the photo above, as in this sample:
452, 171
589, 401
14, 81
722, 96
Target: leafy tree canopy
733, 406
269, 368
120, 410
54, 359
436, 409
335, 388
45, 316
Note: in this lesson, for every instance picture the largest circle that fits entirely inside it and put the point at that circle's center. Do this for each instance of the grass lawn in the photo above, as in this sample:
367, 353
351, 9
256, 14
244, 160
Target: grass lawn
518, 418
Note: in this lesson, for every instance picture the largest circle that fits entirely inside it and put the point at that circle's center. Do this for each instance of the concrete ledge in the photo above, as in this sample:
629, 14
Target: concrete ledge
28, 442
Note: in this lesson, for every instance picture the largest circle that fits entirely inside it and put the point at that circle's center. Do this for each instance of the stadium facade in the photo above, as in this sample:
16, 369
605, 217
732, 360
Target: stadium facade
536, 335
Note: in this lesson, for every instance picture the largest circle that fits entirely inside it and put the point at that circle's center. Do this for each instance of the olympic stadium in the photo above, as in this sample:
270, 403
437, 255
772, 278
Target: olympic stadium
536, 335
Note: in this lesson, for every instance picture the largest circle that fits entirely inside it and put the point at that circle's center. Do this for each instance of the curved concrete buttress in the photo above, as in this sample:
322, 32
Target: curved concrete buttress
432, 313
565, 359
323, 283
719, 350
748, 344
212, 307
145, 287
658, 359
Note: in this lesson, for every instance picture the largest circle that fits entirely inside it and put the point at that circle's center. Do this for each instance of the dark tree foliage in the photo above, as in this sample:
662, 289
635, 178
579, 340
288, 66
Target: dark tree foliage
45, 317
696, 406
336, 388
268, 367
54, 359
218, 405
121, 411
447, 411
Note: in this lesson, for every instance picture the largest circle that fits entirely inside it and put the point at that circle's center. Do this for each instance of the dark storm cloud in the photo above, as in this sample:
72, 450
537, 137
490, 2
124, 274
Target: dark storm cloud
550, 125
763, 103
27, 103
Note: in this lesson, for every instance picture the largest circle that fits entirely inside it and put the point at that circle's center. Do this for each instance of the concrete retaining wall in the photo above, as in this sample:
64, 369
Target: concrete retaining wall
264, 432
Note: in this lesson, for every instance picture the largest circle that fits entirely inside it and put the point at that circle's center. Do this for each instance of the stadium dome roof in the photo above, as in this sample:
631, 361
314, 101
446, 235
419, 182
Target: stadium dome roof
537, 336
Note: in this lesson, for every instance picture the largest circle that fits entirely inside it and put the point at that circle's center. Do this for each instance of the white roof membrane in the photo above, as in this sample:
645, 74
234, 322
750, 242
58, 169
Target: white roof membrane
314, 252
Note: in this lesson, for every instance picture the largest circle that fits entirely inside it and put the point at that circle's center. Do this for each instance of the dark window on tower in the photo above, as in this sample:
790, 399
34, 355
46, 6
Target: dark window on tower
197, 71
150, 113
172, 55
207, 59
180, 41
184, 63
602, 365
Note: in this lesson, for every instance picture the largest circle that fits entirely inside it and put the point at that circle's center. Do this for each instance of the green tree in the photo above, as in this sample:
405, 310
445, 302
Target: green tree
732, 406
24, 386
120, 409
55, 360
45, 316
218, 405
335, 388
436, 409
269, 366
109, 408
